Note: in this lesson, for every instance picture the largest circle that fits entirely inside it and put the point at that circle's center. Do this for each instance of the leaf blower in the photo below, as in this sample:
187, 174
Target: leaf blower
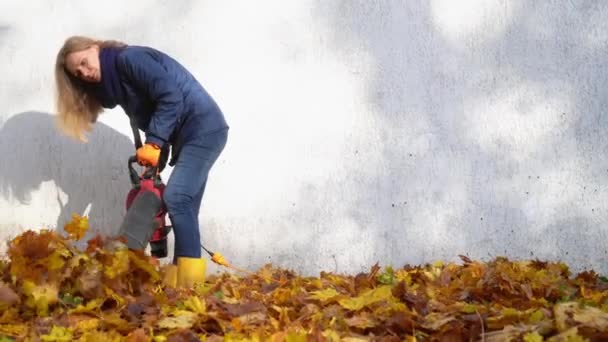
145, 219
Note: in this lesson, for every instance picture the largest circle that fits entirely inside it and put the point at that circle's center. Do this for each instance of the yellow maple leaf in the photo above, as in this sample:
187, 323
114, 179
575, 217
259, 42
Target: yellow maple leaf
266, 274
40, 297
367, 298
469, 308
296, 337
282, 296
13, 329
236, 324
58, 334
533, 337
77, 227
57, 259
536, 316
119, 265
10, 315
92, 306
404, 276
77, 259
331, 335
95, 336
114, 320
570, 335
283, 314
196, 305
144, 265
325, 294
110, 293
87, 324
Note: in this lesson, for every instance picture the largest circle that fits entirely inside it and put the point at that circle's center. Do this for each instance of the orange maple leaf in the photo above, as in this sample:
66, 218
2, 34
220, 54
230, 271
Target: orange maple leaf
77, 227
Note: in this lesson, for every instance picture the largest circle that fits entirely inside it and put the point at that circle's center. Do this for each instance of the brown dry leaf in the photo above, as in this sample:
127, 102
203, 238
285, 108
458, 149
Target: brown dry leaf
179, 320
254, 318
511, 333
362, 321
8, 296
10, 315
94, 244
109, 293
436, 320
572, 314
185, 335
138, 335
89, 283
243, 308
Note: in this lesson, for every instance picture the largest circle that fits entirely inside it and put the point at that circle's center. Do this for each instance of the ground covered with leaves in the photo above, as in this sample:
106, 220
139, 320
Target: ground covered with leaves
52, 291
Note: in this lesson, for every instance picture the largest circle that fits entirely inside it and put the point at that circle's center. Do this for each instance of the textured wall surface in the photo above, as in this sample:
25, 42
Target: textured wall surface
361, 131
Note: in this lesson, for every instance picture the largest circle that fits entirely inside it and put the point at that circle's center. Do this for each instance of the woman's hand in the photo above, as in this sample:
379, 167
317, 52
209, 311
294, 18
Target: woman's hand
148, 155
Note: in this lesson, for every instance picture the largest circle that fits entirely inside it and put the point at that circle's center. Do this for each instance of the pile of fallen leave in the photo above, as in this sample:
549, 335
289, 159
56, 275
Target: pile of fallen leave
52, 291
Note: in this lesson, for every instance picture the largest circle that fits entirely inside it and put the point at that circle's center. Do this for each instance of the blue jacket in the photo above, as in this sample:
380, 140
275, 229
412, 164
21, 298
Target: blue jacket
165, 100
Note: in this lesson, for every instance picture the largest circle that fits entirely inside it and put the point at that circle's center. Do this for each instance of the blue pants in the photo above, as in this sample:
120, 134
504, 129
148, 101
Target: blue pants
185, 188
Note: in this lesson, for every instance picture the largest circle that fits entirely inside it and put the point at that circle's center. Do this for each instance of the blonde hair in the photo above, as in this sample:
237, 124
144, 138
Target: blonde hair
77, 109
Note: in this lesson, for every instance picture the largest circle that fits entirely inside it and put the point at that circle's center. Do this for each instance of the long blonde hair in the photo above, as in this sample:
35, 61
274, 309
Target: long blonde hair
76, 108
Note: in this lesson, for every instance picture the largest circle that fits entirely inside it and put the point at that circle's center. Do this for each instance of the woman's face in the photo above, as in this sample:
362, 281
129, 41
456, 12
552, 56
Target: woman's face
84, 64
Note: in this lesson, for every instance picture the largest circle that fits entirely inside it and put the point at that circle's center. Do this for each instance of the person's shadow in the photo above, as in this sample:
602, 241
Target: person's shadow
89, 177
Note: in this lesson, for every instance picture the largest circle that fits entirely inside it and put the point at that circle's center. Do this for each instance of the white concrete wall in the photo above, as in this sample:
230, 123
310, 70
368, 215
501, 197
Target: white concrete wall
362, 131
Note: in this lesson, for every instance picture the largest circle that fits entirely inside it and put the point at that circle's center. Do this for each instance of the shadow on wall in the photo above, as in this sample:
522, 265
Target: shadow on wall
478, 132
88, 177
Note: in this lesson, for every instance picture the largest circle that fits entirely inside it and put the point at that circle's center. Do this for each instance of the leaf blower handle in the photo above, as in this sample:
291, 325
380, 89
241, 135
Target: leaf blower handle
133, 173
149, 173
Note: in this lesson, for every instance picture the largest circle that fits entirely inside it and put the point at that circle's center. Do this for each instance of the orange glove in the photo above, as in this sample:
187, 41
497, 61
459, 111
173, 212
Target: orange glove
148, 155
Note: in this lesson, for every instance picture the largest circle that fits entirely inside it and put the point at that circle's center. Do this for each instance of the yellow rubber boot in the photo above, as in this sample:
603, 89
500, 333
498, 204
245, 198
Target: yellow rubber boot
170, 275
190, 271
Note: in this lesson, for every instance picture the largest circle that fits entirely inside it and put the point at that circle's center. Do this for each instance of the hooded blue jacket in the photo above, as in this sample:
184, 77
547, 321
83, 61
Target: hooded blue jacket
165, 100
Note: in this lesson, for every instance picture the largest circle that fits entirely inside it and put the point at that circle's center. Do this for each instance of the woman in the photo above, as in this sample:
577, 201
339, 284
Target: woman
166, 102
